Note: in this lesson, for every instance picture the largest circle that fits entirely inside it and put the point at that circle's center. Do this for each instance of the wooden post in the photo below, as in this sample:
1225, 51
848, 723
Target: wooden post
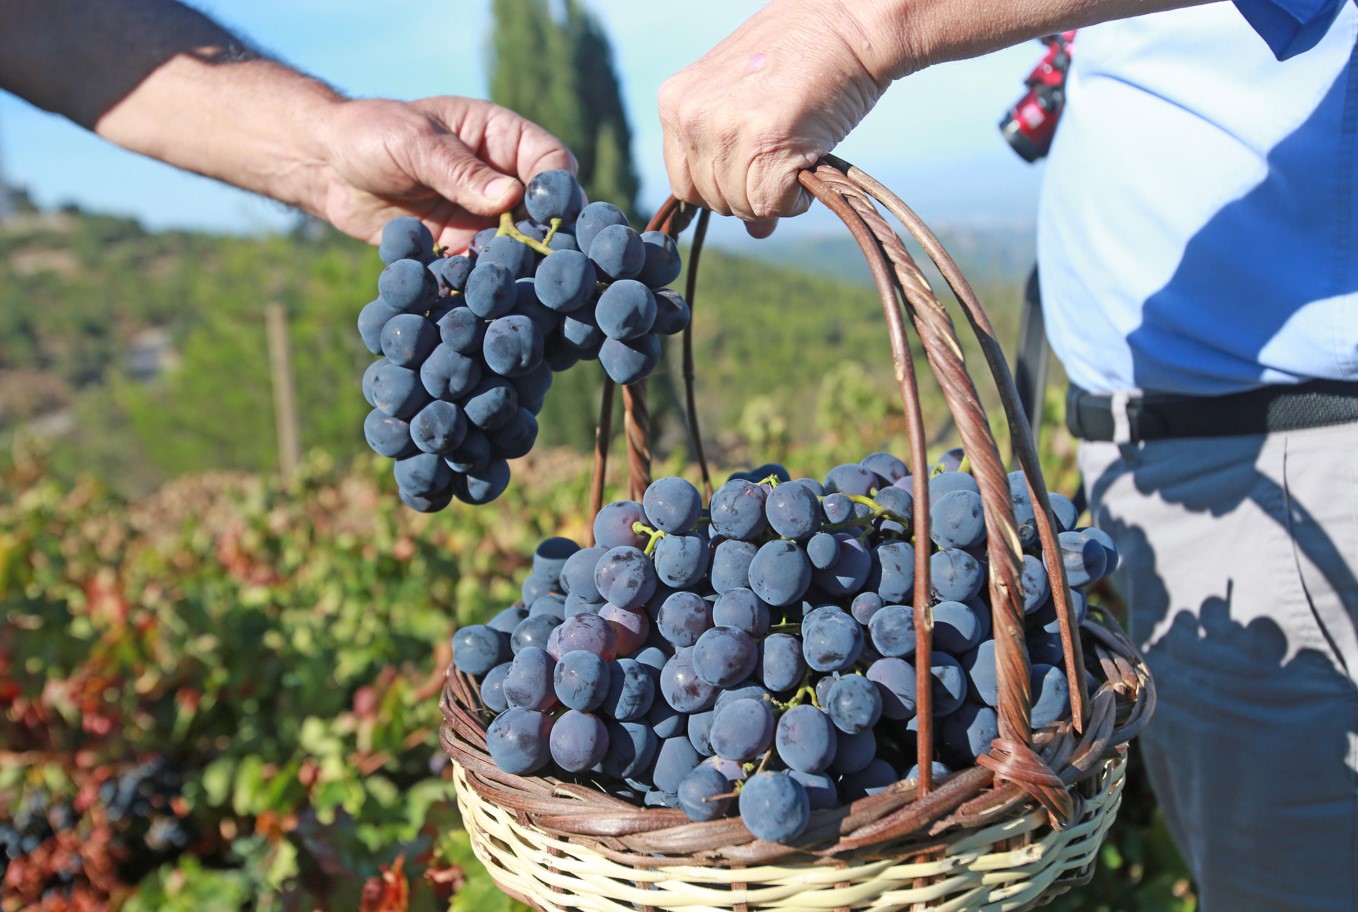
284, 399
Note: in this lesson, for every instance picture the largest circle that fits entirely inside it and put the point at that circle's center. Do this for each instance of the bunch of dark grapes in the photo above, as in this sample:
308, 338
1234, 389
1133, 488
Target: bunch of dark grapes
143, 805
470, 342
72, 851
754, 654
40, 864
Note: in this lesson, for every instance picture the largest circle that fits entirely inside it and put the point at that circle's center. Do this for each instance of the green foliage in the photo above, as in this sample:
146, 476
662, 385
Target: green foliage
283, 645
75, 292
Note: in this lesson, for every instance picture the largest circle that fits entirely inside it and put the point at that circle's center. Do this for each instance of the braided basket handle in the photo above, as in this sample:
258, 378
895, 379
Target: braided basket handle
853, 196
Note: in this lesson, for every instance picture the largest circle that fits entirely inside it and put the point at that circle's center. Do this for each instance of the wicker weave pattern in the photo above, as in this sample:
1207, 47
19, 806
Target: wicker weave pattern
978, 870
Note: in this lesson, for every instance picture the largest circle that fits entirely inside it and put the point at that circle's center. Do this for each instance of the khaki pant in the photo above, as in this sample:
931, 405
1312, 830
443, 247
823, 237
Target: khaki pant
1240, 564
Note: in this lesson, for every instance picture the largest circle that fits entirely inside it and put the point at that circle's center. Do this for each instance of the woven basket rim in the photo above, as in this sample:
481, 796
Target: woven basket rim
874, 826
1015, 864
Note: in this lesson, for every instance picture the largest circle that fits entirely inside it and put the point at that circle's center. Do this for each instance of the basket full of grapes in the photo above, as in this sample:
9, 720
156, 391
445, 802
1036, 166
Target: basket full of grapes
883, 687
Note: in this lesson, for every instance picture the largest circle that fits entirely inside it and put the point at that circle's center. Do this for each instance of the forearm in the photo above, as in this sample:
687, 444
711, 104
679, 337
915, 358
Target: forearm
163, 80
894, 38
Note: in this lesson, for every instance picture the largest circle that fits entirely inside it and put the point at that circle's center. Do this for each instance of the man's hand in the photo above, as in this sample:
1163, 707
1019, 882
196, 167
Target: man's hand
454, 163
764, 104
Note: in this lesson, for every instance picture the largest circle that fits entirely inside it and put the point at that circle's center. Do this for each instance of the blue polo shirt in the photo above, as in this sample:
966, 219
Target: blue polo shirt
1197, 230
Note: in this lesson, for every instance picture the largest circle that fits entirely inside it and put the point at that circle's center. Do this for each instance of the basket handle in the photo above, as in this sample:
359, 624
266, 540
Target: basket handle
850, 193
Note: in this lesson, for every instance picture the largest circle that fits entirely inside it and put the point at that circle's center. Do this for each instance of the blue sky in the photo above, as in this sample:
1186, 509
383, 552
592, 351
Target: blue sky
933, 138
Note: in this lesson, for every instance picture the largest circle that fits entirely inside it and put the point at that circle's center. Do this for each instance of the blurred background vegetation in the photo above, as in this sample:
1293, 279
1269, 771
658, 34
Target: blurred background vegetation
219, 686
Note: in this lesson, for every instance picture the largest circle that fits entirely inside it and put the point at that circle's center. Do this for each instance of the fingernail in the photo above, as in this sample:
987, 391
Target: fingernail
499, 187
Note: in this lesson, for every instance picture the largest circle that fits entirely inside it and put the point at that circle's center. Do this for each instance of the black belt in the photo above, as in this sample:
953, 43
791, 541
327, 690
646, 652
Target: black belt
1315, 403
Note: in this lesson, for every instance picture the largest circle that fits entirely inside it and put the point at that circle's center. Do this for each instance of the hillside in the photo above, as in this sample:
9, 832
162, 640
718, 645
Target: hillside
136, 357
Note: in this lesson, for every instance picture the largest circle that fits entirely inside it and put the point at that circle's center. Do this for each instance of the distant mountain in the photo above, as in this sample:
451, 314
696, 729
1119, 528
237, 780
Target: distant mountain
989, 252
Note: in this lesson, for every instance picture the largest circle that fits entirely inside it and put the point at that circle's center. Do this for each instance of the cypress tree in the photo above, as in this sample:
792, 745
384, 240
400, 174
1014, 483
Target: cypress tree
533, 70
560, 74
606, 168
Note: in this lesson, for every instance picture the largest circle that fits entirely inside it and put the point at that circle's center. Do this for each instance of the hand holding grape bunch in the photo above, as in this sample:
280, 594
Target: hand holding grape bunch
470, 343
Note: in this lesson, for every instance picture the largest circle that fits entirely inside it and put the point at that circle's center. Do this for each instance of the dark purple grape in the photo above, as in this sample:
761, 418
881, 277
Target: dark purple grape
553, 194
681, 686
966, 734
870, 780
565, 281
742, 609
534, 631
951, 481
439, 427
613, 525
578, 741
625, 576
780, 572
672, 504
397, 391
681, 561
737, 510
725, 656
617, 252
631, 690
850, 478
580, 680
806, 739
954, 576
631, 360
478, 648
853, 704
625, 310
408, 286
895, 680
388, 436
890, 469
672, 313
462, 331
705, 794
774, 807
631, 748
1051, 694
371, 319
491, 291
512, 346
661, 263
742, 729
528, 685
405, 238
731, 564
451, 273
519, 740
831, 639
673, 762
424, 474
593, 218
482, 485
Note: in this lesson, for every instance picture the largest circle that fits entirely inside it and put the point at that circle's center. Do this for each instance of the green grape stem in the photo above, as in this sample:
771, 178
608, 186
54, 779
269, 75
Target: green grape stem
655, 535
878, 512
805, 693
508, 227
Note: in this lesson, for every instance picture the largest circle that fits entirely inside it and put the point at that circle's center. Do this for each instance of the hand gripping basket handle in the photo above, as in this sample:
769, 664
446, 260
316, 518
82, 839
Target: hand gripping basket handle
852, 195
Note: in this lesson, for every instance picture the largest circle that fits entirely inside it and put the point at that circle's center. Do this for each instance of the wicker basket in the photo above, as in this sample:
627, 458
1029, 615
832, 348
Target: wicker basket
1016, 829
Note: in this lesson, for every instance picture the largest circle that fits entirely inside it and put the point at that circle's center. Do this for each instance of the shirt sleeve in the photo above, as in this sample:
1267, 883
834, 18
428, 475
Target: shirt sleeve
1290, 26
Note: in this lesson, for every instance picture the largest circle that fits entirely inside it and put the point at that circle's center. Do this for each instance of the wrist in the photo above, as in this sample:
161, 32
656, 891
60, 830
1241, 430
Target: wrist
881, 34
303, 173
